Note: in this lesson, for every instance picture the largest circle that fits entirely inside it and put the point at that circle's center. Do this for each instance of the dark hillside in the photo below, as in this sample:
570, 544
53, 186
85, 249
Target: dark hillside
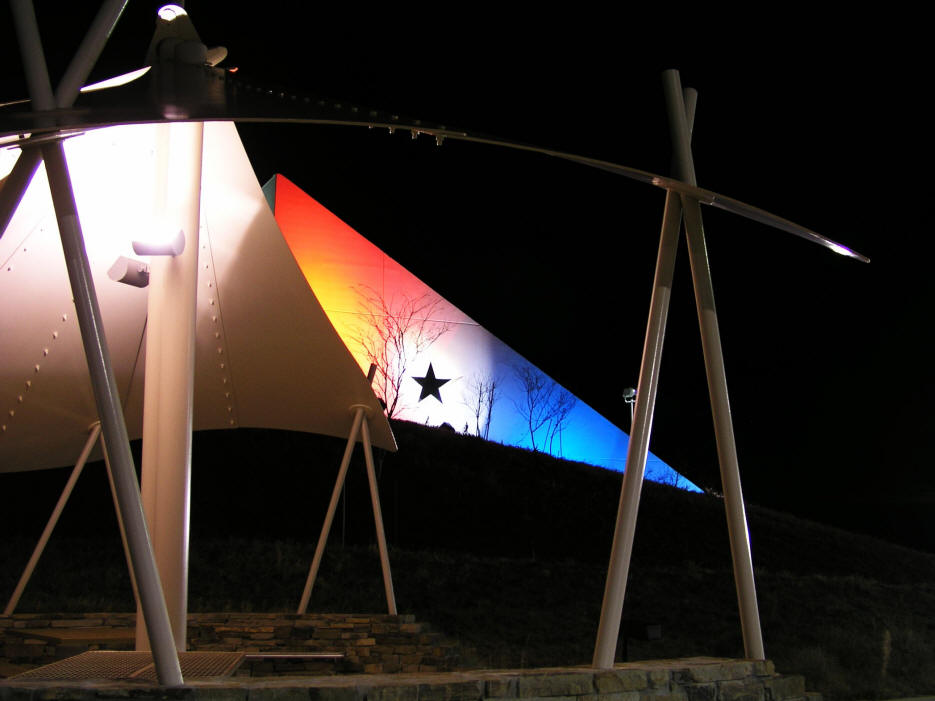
504, 548
447, 491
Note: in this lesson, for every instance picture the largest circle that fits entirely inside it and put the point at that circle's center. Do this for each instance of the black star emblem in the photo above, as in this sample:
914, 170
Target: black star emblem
430, 384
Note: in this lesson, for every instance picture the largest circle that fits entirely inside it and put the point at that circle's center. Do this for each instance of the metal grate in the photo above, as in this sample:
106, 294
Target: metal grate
96, 664
116, 665
199, 665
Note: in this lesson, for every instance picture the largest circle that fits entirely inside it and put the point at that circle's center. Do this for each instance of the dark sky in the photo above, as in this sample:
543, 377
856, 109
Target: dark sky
819, 121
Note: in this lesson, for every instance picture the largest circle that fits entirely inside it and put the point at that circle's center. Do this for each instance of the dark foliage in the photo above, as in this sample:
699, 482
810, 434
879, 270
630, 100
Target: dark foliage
504, 548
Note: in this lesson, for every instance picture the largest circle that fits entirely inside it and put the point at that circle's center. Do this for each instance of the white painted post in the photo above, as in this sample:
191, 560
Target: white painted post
641, 421
717, 379
78, 70
170, 368
120, 524
53, 520
152, 601
378, 520
332, 507
97, 353
608, 630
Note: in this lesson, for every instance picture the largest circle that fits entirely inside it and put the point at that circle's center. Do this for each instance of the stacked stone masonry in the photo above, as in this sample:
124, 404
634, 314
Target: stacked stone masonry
694, 679
370, 644
380, 655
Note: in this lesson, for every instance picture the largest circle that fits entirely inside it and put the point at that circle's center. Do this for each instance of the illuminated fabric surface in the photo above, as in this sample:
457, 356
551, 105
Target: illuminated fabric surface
348, 274
266, 355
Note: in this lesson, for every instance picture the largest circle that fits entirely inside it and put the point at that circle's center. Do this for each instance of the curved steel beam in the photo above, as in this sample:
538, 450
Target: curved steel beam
170, 93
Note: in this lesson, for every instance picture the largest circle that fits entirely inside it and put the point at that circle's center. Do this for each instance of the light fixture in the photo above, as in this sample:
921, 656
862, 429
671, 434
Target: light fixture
158, 244
167, 13
129, 272
629, 396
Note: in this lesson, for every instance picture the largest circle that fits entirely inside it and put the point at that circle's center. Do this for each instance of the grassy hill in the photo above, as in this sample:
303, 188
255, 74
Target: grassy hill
506, 549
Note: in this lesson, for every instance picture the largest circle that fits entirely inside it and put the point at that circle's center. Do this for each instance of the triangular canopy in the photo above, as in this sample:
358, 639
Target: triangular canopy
266, 355
358, 284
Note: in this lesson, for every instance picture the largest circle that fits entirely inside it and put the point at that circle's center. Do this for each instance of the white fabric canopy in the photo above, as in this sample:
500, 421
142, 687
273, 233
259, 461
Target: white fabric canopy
266, 354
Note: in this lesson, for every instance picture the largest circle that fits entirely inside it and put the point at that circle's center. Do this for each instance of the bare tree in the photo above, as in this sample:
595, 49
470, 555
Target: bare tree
481, 393
668, 476
394, 333
563, 402
543, 404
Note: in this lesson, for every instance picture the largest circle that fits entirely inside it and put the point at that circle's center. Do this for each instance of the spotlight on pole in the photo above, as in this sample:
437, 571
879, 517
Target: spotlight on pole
160, 245
129, 272
167, 13
629, 396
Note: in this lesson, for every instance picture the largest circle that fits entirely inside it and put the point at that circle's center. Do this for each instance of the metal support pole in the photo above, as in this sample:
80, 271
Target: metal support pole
608, 629
717, 379
120, 526
30, 47
16, 184
53, 519
641, 421
78, 70
88, 52
103, 382
168, 406
727, 449
378, 519
40, 92
332, 507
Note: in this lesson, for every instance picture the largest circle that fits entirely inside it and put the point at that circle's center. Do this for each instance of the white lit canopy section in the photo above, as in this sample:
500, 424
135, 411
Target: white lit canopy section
266, 354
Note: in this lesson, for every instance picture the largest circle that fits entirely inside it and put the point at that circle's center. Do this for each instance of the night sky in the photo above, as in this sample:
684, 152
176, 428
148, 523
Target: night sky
818, 121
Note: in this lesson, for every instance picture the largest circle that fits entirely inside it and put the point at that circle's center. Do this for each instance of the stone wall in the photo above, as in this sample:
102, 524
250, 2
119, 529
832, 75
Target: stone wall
369, 643
695, 679
387, 648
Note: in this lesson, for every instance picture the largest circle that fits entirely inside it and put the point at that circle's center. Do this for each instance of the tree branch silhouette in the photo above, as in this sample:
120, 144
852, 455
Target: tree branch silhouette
543, 404
393, 334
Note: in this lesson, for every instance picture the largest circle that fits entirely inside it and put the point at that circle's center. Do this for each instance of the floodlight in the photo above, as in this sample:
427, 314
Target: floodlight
158, 244
629, 396
167, 13
130, 272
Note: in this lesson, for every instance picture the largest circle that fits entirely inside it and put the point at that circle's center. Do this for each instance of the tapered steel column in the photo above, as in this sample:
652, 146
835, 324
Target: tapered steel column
88, 52
76, 74
103, 383
120, 526
152, 603
27, 163
332, 507
641, 422
717, 379
53, 519
170, 369
378, 519
638, 447
30, 46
